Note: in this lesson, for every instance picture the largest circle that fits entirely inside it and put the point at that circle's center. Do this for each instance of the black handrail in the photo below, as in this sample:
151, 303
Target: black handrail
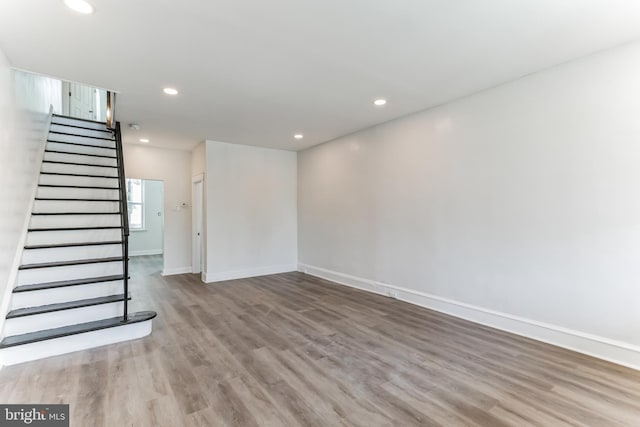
124, 216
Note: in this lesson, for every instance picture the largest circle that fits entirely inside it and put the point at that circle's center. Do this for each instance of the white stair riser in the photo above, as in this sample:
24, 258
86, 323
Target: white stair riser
74, 206
71, 343
50, 221
78, 180
72, 236
76, 122
81, 131
87, 170
71, 272
80, 149
67, 293
37, 256
75, 158
81, 140
56, 319
76, 193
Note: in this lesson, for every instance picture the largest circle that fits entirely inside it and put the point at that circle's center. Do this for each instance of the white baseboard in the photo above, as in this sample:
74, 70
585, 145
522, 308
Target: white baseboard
179, 270
147, 252
618, 352
253, 272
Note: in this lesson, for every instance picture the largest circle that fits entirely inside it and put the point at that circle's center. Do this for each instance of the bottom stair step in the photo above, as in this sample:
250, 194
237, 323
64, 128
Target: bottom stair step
52, 342
29, 311
80, 328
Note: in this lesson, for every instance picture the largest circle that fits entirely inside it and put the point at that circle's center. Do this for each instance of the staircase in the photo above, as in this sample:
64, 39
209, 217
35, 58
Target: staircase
72, 286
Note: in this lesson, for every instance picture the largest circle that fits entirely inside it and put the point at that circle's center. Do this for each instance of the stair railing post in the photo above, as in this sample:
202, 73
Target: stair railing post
111, 105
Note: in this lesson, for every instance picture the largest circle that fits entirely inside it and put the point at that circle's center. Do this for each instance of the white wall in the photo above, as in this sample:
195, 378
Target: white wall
149, 240
174, 168
517, 207
250, 211
37, 93
25, 100
198, 159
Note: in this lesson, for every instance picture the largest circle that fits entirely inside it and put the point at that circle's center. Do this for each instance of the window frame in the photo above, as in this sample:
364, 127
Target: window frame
131, 203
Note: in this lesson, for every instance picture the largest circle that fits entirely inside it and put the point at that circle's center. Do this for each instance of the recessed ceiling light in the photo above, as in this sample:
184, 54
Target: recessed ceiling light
380, 102
145, 140
170, 91
79, 6
298, 136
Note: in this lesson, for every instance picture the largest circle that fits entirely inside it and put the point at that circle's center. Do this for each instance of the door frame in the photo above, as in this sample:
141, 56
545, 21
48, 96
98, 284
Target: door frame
198, 252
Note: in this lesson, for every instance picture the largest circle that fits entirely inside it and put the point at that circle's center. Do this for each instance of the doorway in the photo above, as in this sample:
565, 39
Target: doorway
198, 238
145, 203
84, 102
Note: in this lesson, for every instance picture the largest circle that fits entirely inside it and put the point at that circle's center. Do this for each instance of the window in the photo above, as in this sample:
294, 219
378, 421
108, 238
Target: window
135, 203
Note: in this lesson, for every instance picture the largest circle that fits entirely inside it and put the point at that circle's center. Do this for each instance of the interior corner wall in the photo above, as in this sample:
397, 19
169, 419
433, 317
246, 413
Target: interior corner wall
198, 159
517, 207
251, 218
25, 100
198, 167
173, 167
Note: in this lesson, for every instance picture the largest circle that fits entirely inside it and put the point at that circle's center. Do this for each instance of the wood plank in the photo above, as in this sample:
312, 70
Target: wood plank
294, 350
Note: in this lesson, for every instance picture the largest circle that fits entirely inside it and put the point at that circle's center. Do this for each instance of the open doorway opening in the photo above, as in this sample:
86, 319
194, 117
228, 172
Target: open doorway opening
197, 222
145, 201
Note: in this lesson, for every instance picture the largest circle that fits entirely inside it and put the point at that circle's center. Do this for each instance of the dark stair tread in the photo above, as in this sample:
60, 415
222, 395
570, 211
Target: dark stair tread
76, 186
102, 156
79, 328
65, 283
72, 262
81, 127
80, 144
75, 213
81, 175
68, 305
70, 245
80, 136
102, 227
78, 164
78, 119
57, 199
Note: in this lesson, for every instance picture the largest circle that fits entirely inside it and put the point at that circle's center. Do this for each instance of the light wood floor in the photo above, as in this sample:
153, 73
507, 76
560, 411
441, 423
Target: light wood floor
294, 350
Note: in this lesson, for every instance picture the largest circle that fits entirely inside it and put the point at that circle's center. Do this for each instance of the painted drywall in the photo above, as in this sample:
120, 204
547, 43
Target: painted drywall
198, 159
25, 101
173, 167
520, 202
251, 219
37, 93
149, 240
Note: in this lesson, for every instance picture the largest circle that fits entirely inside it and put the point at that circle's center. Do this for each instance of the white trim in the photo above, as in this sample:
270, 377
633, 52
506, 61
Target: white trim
17, 258
252, 272
614, 351
178, 270
147, 252
198, 267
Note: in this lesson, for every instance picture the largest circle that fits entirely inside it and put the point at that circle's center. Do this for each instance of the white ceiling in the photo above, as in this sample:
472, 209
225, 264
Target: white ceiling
256, 72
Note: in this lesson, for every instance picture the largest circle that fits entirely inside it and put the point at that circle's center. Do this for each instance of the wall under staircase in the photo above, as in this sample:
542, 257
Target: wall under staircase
70, 291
